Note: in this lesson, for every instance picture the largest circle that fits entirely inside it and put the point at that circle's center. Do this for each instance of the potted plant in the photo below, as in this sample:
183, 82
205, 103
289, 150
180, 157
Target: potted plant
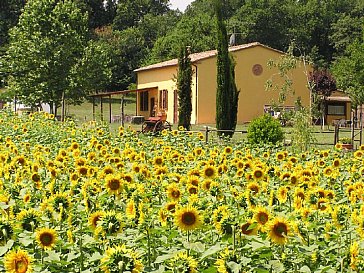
346, 143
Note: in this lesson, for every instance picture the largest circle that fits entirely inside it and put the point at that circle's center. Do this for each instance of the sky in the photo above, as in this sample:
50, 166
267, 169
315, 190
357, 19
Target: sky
180, 4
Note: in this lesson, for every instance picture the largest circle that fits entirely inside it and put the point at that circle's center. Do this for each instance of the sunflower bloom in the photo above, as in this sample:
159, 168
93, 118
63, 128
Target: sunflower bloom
183, 263
18, 261
121, 259
188, 218
46, 238
278, 230
94, 218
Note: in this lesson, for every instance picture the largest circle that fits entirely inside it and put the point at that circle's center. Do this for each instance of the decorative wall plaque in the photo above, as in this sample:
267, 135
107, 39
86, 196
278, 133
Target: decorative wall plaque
257, 69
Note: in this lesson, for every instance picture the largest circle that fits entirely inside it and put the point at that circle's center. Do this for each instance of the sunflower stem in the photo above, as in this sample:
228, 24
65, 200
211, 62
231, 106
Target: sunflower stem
149, 254
188, 241
233, 227
81, 252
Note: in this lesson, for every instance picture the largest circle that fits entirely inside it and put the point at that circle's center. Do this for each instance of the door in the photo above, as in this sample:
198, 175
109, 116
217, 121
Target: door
175, 107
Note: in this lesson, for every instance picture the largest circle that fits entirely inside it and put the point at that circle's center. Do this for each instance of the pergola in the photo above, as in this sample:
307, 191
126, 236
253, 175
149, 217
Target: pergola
109, 95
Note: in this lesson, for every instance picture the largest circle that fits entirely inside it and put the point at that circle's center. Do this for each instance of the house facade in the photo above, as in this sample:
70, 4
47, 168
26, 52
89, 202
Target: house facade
251, 76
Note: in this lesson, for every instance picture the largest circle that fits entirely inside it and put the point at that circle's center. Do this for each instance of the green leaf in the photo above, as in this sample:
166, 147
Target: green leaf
211, 269
6, 247
52, 256
198, 246
234, 267
163, 258
305, 269
277, 266
211, 251
72, 256
95, 257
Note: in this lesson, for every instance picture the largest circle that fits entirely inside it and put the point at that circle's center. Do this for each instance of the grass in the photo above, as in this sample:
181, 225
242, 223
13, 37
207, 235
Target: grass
324, 137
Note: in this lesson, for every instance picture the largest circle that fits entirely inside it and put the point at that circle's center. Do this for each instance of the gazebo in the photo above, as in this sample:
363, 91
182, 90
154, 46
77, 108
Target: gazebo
109, 95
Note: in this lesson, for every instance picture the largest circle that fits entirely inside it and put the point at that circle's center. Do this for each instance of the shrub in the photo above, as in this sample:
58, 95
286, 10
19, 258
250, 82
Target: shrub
265, 129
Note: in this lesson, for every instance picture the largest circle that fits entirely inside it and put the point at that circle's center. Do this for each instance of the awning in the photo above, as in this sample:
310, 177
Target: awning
341, 99
123, 92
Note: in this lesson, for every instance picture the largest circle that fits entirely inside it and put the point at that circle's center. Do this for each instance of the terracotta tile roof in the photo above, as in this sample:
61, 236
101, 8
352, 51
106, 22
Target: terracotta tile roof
200, 56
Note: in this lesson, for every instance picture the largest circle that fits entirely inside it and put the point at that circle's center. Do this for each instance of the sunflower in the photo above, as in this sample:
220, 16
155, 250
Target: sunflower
29, 219
182, 262
280, 156
158, 161
110, 222
279, 230
219, 216
253, 187
249, 228
113, 184
282, 194
209, 172
60, 201
228, 150
358, 154
354, 253
173, 192
261, 215
121, 259
6, 230
18, 261
46, 238
188, 218
130, 209
171, 207
257, 174
94, 219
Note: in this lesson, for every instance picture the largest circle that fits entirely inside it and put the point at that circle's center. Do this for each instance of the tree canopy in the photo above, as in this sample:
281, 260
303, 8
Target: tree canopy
46, 46
140, 32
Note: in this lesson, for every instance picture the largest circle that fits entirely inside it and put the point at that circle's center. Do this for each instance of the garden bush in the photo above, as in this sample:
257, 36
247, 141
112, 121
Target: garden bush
265, 129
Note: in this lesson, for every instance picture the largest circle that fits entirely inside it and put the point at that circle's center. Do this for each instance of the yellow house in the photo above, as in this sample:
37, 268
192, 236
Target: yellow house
251, 75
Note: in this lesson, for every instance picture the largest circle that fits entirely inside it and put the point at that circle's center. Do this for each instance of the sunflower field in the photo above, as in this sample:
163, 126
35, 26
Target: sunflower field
84, 199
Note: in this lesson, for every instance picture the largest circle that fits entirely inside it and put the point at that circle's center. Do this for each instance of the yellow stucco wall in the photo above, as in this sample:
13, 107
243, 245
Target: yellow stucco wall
252, 97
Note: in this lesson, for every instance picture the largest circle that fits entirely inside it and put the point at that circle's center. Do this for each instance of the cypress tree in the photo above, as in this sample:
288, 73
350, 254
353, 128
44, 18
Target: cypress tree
184, 83
226, 93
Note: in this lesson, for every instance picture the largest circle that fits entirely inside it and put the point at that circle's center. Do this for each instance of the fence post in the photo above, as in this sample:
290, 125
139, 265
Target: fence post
206, 134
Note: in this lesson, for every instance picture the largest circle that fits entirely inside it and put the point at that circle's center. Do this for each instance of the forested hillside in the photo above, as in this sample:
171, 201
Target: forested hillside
139, 32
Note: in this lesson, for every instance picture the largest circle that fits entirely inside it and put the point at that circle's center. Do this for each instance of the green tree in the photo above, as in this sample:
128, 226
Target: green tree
349, 72
198, 29
184, 82
10, 11
226, 93
47, 43
130, 13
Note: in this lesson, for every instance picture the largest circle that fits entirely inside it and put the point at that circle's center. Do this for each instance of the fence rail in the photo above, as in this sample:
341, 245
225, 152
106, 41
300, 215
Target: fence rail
207, 131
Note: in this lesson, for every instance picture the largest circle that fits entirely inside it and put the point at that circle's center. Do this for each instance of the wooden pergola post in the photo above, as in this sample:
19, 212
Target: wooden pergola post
102, 109
93, 108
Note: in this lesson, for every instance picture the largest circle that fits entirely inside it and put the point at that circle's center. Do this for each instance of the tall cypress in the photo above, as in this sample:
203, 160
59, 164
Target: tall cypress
184, 83
226, 93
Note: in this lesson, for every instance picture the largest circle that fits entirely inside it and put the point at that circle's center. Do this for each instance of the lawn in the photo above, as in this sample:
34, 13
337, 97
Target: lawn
324, 137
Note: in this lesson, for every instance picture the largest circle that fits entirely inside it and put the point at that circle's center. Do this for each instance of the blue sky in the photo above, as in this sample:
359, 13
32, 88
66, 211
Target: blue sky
180, 4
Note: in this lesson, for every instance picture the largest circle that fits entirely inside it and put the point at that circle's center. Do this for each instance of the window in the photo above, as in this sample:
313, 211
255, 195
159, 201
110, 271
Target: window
163, 99
336, 109
144, 98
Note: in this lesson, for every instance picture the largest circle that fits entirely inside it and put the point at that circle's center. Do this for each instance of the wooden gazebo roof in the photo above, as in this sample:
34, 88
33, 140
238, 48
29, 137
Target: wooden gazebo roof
113, 93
